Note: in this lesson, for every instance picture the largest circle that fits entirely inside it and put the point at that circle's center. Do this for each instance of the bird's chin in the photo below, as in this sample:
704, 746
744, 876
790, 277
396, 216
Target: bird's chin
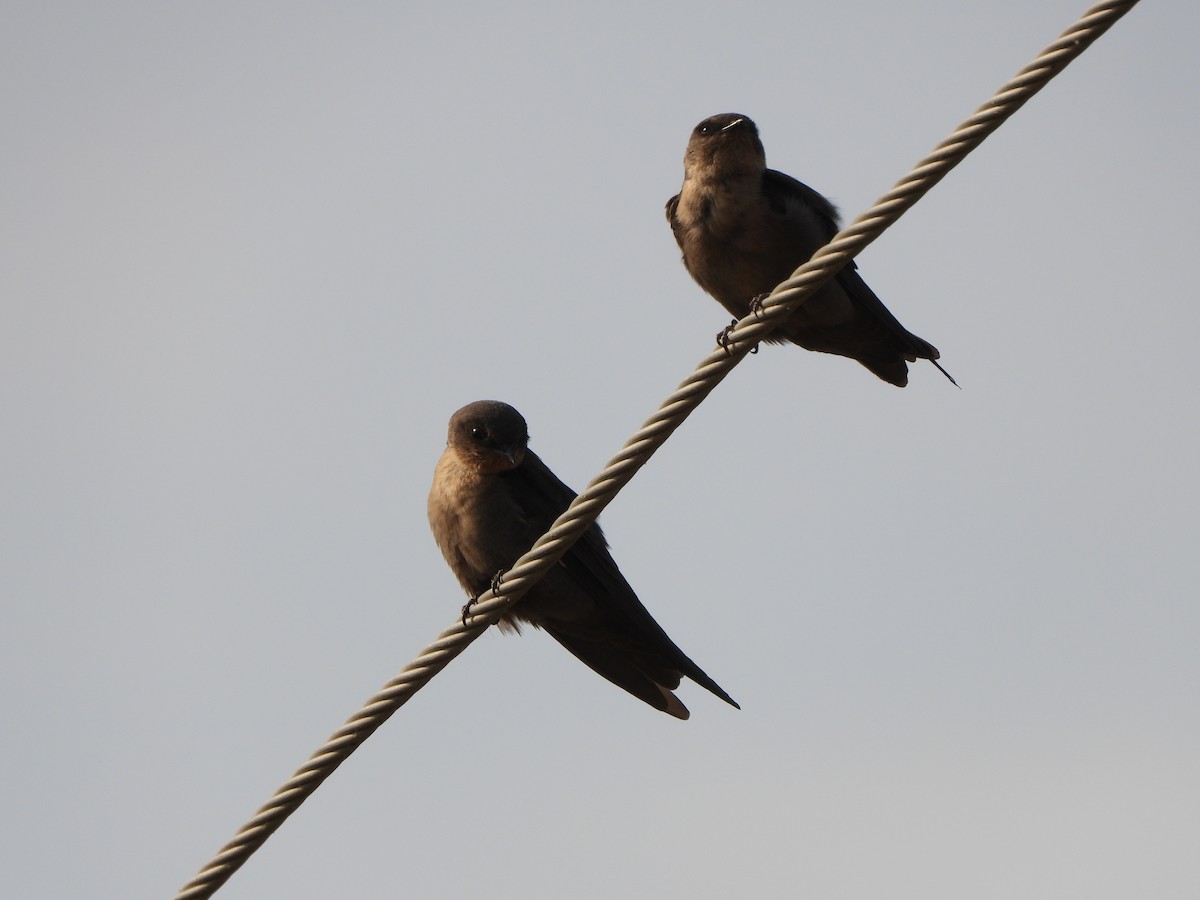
495, 463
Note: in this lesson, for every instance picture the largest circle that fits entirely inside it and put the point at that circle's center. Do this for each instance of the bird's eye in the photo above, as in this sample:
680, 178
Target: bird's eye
704, 129
479, 433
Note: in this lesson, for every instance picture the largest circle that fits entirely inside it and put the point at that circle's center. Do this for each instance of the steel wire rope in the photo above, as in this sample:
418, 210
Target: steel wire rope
551, 546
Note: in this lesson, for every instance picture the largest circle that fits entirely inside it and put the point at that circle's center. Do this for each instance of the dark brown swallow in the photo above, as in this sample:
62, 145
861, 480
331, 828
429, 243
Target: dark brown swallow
744, 228
491, 499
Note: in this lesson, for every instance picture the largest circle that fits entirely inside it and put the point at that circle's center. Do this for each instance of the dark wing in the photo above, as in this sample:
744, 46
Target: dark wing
865, 300
615, 635
676, 228
783, 190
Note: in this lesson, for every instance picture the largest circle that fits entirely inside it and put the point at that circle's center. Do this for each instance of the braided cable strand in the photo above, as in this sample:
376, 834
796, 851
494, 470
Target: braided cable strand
638, 449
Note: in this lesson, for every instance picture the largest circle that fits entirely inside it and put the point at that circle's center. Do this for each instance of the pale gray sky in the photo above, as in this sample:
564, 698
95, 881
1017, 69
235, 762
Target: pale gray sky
254, 256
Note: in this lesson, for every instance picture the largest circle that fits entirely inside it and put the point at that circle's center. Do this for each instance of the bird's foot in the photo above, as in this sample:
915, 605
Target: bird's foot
723, 340
470, 604
466, 610
756, 305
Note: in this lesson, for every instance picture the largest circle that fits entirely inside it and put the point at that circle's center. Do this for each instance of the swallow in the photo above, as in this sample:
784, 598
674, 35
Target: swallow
491, 499
744, 228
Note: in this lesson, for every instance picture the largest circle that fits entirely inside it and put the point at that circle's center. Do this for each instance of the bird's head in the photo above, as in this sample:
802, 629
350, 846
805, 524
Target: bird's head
726, 144
488, 435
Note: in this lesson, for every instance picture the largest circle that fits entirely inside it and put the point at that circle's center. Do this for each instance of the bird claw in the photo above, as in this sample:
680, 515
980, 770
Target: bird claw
725, 343
756, 307
723, 340
466, 610
469, 605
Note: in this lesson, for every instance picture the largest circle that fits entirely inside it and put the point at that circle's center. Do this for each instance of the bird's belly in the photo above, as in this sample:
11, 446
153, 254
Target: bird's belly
735, 275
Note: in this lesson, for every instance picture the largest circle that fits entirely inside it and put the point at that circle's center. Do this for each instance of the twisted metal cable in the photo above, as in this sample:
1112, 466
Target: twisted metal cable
551, 546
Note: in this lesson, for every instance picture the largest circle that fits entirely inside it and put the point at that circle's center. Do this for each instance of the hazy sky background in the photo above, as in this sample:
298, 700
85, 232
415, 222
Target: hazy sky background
253, 257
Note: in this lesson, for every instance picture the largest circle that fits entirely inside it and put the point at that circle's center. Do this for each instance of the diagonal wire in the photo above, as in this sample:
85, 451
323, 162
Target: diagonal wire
639, 448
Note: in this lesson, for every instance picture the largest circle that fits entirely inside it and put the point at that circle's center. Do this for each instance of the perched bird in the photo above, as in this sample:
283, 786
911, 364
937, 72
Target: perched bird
491, 499
744, 228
